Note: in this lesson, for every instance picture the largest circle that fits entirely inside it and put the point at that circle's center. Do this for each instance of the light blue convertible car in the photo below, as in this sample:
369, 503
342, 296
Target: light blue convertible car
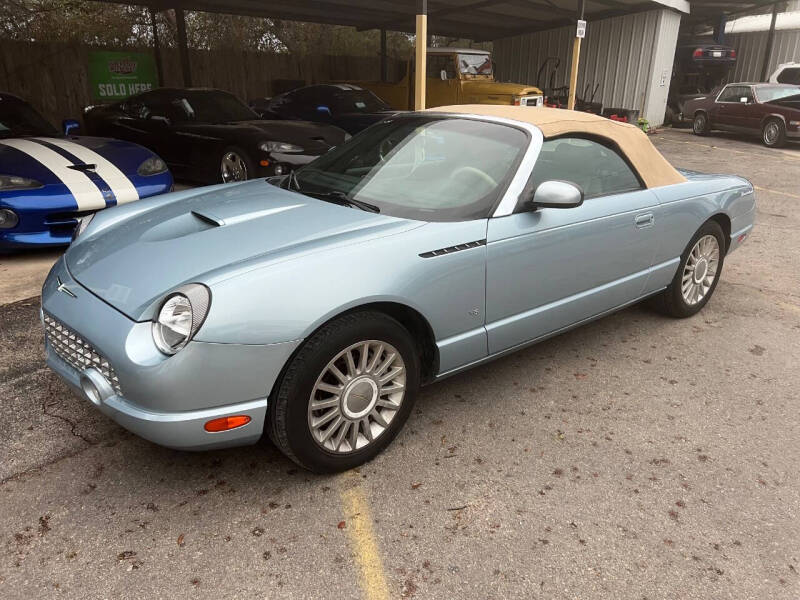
314, 306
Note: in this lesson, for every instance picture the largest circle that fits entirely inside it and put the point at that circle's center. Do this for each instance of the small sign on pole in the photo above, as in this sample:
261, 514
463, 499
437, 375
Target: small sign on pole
581, 33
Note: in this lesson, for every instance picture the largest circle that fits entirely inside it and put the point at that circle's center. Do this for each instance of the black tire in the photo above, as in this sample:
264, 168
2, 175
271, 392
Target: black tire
700, 124
245, 159
288, 425
671, 301
773, 133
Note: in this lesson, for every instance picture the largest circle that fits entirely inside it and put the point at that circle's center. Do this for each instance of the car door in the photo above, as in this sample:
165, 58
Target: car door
442, 84
724, 110
550, 268
748, 114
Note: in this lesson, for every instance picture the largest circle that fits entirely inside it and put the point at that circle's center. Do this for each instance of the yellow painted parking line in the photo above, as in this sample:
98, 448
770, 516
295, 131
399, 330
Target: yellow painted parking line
763, 189
358, 524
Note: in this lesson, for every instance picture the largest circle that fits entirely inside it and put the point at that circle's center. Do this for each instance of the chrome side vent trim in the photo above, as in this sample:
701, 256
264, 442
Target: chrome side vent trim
451, 249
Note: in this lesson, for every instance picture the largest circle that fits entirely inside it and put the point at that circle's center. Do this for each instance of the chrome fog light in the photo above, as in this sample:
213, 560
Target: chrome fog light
95, 387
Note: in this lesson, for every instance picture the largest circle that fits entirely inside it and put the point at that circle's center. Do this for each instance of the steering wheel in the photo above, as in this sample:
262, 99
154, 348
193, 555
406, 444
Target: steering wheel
476, 172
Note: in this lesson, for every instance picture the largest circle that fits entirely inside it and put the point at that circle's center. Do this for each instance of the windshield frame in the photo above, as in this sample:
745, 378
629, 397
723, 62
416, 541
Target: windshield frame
512, 186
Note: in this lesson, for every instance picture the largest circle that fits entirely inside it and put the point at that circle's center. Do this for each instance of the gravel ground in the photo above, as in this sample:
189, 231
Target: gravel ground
636, 457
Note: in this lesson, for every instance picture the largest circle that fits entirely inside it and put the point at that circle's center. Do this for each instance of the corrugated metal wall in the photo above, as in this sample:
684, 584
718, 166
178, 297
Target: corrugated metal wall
750, 48
617, 53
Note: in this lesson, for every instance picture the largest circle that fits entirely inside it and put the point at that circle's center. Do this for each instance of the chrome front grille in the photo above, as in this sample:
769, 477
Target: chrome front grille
77, 352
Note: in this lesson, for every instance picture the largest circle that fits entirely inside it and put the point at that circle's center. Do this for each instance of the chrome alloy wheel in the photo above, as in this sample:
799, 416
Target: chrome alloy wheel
700, 270
356, 396
772, 131
233, 167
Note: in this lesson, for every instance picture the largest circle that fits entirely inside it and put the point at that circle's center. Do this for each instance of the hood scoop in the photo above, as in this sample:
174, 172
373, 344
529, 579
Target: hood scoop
221, 218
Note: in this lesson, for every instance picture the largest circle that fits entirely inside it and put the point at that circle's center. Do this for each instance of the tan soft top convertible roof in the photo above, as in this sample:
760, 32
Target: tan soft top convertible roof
653, 168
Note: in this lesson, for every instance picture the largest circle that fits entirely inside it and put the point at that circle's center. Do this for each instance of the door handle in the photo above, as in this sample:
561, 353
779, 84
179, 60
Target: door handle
643, 221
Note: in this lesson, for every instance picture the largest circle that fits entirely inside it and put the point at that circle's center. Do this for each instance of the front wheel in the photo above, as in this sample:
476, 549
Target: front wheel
700, 124
773, 134
234, 166
346, 394
697, 275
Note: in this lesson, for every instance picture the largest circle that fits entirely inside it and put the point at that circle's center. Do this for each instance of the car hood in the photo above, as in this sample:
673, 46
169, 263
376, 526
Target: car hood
46, 159
311, 136
494, 88
133, 255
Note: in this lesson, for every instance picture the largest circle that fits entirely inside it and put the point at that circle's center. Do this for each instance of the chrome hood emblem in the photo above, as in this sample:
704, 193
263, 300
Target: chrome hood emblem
62, 287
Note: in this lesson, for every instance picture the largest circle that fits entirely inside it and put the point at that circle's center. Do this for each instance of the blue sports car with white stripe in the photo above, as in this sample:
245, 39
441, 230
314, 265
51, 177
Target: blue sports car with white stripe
49, 181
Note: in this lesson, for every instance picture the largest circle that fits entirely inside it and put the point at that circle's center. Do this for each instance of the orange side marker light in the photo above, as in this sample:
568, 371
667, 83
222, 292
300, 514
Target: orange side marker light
226, 423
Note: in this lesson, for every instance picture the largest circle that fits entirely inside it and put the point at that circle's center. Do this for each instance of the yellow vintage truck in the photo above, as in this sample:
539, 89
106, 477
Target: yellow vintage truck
455, 76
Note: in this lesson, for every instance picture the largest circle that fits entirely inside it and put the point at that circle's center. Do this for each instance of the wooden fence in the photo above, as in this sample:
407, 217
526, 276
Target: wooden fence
54, 76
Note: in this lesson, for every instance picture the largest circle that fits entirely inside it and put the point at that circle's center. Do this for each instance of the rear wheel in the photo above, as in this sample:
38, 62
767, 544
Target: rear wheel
700, 124
773, 133
346, 394
697, 275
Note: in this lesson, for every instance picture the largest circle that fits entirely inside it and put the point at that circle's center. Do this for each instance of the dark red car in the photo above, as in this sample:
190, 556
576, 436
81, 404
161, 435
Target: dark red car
768, 109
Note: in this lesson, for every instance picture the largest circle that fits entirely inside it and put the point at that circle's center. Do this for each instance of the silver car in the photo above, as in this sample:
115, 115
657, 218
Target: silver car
313, 307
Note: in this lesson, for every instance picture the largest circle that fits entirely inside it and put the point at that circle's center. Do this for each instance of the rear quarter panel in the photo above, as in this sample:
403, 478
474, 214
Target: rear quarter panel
686, 206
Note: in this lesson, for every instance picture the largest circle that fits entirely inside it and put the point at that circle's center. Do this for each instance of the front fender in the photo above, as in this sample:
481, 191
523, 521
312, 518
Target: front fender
288, 300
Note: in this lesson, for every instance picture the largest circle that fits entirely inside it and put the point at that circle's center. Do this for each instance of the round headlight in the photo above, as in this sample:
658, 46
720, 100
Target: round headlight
173, 327
152, 166
8, 218
180, 316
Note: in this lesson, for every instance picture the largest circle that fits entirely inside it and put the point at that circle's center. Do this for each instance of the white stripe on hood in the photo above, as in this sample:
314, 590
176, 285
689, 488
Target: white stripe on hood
87, 195
122, 187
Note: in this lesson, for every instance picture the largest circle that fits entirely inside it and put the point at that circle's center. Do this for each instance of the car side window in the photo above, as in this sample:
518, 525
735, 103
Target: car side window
596, 168
441, 62
790, 75
732, 93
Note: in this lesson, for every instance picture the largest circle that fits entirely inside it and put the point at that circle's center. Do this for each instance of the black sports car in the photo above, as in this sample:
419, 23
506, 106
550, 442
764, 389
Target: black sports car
211, 136
345, 105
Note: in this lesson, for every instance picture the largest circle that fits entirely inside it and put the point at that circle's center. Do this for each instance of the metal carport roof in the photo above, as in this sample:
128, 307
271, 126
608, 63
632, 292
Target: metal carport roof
478, 20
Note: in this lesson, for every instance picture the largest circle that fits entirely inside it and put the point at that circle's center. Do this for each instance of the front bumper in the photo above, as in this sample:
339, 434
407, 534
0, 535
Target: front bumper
166, 400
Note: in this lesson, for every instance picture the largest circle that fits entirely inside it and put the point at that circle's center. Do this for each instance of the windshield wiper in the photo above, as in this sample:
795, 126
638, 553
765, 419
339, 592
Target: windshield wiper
338, 197
292, 181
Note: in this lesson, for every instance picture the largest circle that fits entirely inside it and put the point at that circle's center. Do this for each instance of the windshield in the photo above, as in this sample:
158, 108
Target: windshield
475, 64
18, 119
768, 94
425, 168
213, 107
358, 101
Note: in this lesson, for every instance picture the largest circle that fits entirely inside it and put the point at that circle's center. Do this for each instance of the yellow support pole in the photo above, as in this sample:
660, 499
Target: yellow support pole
421, 57
573, 72
580, 31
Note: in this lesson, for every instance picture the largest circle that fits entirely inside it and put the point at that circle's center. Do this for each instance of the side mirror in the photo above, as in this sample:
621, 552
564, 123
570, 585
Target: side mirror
163, 121
70, 125
443, 75
324, 111
557, 194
